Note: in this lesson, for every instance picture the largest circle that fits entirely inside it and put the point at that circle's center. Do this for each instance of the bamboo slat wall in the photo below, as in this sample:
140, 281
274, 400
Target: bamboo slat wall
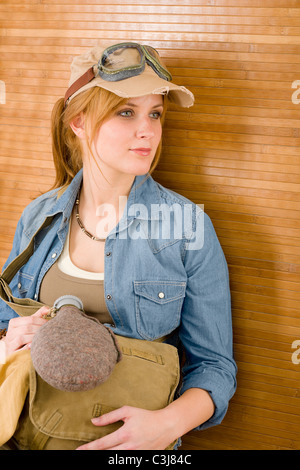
237, 151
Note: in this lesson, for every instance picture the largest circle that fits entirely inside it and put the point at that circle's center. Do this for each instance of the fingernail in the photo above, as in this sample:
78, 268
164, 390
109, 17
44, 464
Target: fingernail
95, 420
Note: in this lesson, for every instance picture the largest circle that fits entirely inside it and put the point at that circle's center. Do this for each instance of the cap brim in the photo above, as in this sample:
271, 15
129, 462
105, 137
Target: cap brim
144, 84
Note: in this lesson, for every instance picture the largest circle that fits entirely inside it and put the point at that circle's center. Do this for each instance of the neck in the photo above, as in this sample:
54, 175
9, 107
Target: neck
96, 191
101, 199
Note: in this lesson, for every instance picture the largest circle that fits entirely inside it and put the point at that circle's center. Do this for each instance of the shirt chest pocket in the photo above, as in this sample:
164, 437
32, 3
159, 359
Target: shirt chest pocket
158, 307
20, 284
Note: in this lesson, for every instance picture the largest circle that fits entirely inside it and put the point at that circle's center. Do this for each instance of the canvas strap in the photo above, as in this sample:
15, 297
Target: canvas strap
22, 307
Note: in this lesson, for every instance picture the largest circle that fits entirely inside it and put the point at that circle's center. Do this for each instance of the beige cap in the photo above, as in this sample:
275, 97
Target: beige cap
148, 82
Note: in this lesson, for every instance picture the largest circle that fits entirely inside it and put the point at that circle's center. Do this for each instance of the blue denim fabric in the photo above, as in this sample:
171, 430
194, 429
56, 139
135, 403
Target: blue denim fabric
154, 284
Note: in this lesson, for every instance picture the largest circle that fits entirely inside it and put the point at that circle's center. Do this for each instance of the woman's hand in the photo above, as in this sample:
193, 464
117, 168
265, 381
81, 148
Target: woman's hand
21, 330
156, 430
142, 430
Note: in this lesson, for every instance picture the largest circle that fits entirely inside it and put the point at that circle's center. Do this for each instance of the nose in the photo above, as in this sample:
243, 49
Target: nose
145, 129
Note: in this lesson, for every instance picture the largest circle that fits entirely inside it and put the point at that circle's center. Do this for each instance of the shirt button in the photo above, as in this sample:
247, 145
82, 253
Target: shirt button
35, 296
161, 295
108, 297
19, 285
53, 256
108, 253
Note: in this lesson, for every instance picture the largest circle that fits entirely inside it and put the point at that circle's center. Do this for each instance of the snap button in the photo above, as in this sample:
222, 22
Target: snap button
53, 256
19, 285
161, 295
108, 297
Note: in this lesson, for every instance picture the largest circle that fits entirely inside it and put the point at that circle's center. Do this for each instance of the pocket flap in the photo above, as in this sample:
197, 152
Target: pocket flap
160, 292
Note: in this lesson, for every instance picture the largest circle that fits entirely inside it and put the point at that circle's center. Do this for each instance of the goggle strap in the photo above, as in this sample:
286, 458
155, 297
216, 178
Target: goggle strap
159, 70
79, 83
155, 64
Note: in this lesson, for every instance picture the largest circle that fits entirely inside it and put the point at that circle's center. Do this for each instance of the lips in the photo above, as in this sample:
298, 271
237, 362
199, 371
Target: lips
144, 152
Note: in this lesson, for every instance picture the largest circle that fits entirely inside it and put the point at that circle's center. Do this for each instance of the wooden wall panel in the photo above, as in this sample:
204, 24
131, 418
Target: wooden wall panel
237, 151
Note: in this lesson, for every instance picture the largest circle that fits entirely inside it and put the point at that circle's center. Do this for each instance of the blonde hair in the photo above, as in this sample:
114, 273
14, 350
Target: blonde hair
96, 104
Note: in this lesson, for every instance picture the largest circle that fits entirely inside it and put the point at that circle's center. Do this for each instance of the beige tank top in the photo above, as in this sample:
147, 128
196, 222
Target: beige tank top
65, 278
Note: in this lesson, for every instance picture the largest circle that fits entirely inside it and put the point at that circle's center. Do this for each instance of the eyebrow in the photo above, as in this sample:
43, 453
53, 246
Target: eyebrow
135, 106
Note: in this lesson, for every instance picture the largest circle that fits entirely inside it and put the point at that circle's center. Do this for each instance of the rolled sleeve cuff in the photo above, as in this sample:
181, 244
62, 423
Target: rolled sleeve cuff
4, 325
220, 392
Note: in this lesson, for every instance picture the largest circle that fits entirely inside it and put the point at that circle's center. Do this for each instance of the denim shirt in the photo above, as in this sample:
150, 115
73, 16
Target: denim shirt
164, 272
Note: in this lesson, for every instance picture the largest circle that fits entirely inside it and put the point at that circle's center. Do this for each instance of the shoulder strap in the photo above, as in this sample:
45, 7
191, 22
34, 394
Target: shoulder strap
23, 307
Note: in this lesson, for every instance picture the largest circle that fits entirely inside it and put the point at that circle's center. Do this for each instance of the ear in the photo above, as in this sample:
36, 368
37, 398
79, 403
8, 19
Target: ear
77, 126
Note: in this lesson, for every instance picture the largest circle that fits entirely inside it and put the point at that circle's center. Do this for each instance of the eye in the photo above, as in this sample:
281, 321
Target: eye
156, 115
126, 113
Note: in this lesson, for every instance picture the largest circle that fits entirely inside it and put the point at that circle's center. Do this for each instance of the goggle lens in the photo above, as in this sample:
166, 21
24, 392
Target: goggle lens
121, 59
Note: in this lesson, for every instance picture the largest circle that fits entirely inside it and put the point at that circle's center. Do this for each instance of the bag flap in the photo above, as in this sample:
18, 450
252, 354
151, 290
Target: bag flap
146, 377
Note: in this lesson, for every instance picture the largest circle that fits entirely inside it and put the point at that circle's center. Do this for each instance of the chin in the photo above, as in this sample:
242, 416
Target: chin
140, 169
144, 171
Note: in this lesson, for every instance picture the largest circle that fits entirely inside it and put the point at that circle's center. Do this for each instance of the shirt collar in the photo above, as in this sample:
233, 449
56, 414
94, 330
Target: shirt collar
65, 197
144, 199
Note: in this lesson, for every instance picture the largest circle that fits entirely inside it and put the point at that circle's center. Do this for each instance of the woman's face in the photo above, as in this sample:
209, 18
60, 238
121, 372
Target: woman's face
127, 142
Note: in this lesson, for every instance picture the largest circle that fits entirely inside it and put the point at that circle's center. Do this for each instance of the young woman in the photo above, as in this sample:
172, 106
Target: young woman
144, 260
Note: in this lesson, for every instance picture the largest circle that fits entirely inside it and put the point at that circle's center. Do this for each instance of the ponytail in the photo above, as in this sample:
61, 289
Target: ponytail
65, 150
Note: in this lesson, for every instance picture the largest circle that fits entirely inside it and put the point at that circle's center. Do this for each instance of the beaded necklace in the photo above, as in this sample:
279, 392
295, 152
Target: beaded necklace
88, 234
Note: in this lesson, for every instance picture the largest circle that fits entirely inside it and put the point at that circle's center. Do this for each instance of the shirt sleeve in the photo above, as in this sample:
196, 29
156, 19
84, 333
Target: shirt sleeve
206, 326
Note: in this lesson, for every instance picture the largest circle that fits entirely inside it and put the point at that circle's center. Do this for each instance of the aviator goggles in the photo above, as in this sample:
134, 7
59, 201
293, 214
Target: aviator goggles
120, 62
